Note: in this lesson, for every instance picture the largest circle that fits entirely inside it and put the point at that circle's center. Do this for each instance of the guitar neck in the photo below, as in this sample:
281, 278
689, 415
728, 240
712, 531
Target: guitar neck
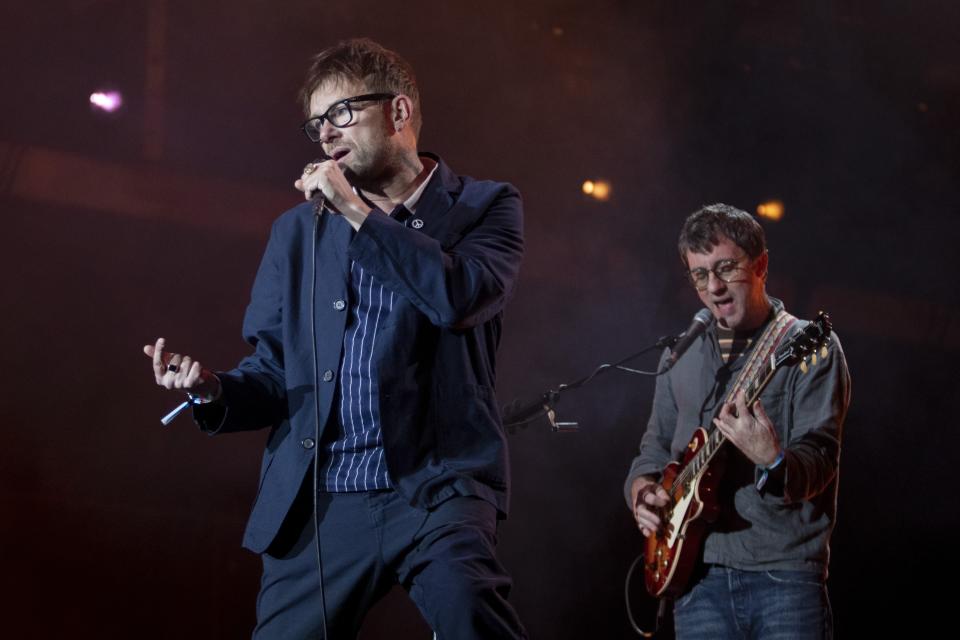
716, 439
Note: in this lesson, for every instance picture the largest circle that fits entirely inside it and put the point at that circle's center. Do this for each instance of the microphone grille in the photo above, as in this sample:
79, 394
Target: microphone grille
704, 317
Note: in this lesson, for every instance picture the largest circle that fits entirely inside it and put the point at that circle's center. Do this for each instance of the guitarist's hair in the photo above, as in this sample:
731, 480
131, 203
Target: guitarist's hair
703, 228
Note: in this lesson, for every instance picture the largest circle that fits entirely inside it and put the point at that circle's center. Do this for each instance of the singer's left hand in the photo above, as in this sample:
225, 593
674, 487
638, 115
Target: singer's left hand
327, 178
749, 429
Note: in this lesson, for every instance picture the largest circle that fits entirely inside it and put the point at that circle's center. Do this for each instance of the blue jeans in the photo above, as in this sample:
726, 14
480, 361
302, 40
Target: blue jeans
729, 603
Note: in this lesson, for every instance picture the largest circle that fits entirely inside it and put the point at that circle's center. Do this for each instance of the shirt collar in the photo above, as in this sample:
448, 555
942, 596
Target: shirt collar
409, 206
411, 202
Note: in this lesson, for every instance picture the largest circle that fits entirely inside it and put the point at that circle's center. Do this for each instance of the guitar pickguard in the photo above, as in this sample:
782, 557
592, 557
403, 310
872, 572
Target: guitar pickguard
678, 515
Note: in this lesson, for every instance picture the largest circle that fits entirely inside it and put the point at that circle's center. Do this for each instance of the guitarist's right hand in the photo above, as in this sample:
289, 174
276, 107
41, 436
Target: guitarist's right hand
647, 497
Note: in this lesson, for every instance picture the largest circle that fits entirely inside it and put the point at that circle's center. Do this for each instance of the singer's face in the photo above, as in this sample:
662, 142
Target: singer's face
362, 148
741, 303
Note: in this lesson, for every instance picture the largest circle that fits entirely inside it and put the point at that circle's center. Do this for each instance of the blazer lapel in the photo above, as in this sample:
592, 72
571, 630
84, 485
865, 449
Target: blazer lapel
436, 200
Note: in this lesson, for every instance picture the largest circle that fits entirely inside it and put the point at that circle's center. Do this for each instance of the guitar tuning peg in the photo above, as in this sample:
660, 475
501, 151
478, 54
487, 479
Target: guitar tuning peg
813, 358
823, 351
803, 365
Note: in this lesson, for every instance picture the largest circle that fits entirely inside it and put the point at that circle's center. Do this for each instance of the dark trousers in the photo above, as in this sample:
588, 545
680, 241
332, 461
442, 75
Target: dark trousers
369, 541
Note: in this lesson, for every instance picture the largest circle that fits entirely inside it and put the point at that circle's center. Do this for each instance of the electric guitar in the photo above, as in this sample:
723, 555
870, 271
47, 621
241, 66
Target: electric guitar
672, 552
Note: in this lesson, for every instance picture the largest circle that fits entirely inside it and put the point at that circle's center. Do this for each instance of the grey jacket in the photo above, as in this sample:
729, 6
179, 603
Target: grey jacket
786, 526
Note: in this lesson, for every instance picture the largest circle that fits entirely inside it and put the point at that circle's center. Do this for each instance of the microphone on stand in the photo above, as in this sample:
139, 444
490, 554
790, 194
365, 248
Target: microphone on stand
700, 322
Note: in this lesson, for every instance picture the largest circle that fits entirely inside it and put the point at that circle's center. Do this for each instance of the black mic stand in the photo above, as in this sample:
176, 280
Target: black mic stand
518, 416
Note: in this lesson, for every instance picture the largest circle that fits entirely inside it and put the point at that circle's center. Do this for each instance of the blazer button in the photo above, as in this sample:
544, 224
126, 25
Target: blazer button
308, 443
327, 375
339, 305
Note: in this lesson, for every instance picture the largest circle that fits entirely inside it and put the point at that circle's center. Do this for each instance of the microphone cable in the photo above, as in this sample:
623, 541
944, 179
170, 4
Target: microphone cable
319, 203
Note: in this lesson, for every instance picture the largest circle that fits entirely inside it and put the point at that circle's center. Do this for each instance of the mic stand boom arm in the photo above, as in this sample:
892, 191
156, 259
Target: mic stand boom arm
518, 416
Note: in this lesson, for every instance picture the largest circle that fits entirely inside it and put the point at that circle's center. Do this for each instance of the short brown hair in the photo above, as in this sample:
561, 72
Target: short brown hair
363, 60
702, 230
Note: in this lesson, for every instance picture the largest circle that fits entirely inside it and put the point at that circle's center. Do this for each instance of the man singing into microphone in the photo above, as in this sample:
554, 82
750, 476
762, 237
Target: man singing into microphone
764, 560
374, 321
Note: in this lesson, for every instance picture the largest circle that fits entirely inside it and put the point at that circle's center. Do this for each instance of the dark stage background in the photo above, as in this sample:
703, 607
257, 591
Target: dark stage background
151, 220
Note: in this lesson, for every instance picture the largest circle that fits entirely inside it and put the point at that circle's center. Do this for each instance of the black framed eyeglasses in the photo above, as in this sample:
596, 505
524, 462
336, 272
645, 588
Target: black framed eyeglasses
725, 270
340, 114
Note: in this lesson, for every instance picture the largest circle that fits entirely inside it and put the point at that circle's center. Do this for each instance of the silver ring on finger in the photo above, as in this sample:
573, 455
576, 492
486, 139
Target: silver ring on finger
172, 368
310, 168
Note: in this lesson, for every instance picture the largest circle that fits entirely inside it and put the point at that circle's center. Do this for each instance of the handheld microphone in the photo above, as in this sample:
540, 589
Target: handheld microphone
317, 198
319, 202
700, 322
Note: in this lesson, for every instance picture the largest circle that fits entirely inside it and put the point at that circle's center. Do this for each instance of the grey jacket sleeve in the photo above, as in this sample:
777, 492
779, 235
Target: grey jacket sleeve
820, 398
655, 445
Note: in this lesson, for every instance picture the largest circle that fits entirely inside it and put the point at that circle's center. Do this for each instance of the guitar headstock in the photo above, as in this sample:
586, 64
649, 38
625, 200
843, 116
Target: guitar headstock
805, 344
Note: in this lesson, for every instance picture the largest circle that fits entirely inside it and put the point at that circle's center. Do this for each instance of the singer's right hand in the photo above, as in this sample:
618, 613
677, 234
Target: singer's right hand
175, 371
310, 185
647, 498
327, 178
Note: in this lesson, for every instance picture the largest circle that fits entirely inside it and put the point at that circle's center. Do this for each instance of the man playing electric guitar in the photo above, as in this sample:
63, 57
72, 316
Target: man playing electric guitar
762, 568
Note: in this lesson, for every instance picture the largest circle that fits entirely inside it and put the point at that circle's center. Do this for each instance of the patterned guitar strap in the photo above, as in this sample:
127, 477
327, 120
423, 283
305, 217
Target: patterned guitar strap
766, 345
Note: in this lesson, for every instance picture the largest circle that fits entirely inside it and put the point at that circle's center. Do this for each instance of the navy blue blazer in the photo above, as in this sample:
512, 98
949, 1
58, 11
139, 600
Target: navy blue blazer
453, 267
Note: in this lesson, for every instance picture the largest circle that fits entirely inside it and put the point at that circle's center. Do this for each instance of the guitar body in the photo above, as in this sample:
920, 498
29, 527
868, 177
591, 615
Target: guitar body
673, 551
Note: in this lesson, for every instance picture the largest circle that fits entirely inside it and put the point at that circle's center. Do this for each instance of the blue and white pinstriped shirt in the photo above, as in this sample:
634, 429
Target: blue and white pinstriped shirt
355, 458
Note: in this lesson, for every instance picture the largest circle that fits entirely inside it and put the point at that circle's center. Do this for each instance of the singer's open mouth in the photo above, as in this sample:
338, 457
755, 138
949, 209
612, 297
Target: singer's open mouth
339, 153
724, 304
